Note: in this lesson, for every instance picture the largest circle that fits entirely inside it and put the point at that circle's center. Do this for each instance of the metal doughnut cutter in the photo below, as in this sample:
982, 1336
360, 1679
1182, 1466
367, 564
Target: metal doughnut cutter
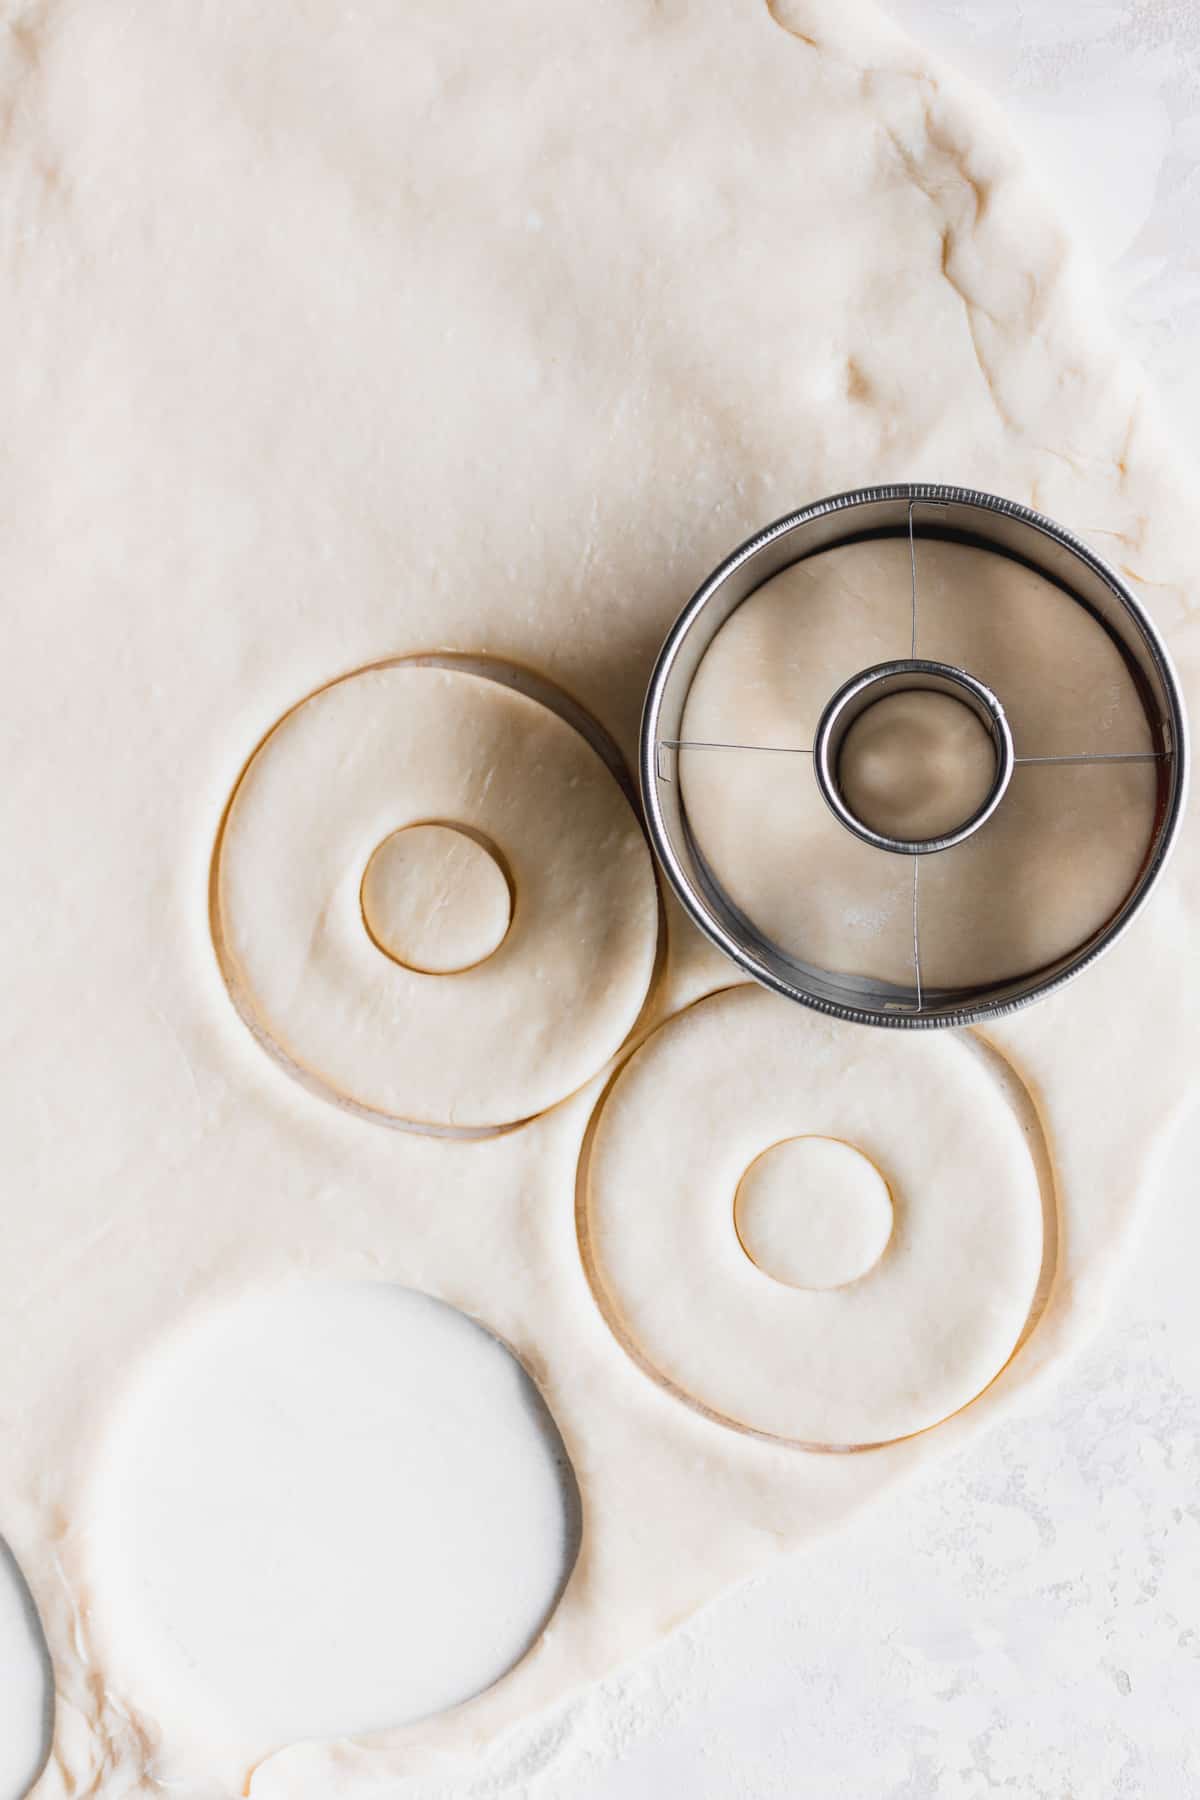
913, 513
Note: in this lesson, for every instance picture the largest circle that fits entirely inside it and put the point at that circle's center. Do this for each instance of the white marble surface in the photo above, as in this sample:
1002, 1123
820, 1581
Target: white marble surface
1028, 1621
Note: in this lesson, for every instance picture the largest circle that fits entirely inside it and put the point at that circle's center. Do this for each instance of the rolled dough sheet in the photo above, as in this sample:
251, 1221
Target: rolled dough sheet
352, 333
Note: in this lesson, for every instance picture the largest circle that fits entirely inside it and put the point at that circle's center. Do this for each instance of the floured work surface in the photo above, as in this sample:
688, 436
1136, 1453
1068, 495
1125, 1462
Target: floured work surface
356, 335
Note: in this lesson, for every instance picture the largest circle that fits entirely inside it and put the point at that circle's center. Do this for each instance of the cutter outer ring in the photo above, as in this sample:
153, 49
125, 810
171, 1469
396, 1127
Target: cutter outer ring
770, 974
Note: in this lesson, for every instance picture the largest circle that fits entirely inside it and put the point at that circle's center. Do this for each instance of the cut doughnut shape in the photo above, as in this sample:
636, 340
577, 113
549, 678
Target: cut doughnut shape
926, 1318
432, 900
327, 1509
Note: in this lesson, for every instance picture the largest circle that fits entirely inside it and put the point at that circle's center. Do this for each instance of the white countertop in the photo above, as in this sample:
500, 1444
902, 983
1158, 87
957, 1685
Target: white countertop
1028, 1620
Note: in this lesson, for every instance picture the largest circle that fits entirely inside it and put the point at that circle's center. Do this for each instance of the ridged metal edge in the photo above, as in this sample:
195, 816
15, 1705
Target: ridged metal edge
934, 493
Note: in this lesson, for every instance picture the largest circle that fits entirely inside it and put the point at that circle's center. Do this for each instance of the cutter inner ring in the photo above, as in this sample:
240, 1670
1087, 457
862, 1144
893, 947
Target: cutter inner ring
913, 675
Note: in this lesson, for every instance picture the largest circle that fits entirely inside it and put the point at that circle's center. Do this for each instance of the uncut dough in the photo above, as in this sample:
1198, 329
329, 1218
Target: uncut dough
348, 332
487, 1045
1051, 866
893, 1353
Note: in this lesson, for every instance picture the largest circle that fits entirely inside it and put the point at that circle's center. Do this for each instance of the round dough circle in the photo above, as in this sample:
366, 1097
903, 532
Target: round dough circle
901, 1349
813, 1212
316, 1453
916, 765
405, 744
435, 899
